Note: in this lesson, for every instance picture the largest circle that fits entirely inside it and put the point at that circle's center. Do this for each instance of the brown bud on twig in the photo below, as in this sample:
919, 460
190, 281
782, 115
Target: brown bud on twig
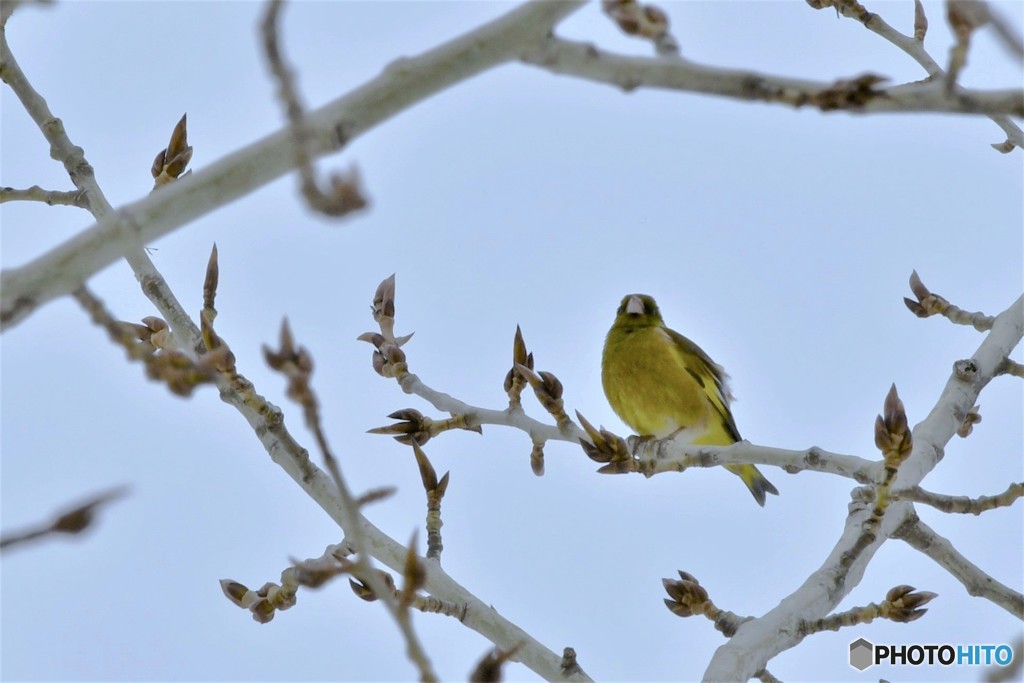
920, 21
686, 596
414, 427
364, 591
972, 418
605, 447
170, 163
569, 665
514, 381
413, 575
892, 433
902, 604
235, 592
537, 458
488, 669
646, 21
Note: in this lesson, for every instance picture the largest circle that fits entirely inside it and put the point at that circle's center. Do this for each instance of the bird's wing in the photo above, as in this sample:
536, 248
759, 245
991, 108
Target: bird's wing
710, 376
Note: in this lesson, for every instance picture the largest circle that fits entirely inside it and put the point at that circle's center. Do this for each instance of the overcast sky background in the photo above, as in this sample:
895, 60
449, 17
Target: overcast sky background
780, 241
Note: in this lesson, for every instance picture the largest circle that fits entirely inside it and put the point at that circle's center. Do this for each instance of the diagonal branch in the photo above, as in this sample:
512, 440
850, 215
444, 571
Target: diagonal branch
81, 173
919, 535
329, 128
758, 641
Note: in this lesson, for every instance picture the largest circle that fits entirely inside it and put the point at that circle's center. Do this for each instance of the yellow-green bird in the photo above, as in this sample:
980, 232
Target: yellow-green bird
662, 384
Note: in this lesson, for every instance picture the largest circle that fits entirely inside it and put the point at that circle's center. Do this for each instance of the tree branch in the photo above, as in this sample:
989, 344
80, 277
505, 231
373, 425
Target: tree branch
919, 535
757, 641
401, 85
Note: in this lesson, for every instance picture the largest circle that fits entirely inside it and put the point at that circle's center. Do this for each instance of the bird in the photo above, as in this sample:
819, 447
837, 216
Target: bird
663, 385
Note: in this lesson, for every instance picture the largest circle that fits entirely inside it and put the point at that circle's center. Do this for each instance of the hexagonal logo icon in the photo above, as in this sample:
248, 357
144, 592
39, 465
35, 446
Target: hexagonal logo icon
862, 654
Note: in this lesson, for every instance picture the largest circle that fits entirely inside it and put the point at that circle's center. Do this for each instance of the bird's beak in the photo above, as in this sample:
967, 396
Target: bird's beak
635, 306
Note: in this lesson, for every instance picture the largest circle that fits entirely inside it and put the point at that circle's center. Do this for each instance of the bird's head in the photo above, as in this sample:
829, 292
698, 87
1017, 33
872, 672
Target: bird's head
638, 311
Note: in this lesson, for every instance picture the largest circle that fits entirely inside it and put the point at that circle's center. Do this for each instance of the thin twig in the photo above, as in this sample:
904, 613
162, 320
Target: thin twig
964, 505
344, 195
50, 197
74, 521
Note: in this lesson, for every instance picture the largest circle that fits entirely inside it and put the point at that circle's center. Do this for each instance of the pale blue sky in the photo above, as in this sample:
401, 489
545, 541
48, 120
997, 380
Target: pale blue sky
779, 240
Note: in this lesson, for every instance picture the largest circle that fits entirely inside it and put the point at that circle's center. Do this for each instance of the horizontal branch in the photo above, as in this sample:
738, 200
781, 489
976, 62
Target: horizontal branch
329, 128
584, 60
51, 197
666, 455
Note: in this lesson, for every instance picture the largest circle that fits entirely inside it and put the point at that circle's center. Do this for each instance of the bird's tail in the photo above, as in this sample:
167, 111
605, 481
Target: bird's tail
755, 481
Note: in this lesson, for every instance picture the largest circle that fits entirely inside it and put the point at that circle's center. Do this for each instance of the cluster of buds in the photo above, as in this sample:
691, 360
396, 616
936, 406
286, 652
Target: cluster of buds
686, 596
263, 603
388, 357
153, 344
646, 21
904, 604
515, 382
929, 304
170, 163
548, 390
295, 364
892, 433
417, 428
605, 447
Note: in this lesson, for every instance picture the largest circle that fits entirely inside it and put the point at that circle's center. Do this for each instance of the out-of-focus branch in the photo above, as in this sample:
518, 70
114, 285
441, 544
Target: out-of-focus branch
8, 7
344, 195
919, 535
74, 521
757, 641
401, 85
1012, 368
50, 197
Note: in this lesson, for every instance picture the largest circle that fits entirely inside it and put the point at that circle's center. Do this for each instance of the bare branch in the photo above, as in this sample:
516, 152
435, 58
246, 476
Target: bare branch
914, 46
963, 504
74, 521
919, 535
50, 197
583, 60
757, 641
81, 173
666, 455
